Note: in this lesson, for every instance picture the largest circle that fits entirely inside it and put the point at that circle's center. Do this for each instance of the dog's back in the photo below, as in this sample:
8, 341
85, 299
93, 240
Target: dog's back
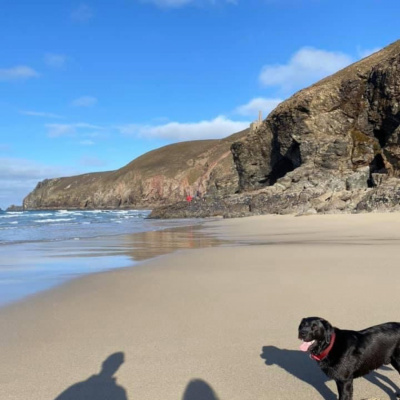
372, 347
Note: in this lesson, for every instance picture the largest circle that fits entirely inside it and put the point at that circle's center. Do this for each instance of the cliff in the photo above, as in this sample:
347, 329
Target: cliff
162, 176
333, 147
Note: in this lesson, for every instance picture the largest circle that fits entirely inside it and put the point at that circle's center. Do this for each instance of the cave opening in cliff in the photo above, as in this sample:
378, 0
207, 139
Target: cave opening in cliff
387, 128
377, 166
381, 136
287, 163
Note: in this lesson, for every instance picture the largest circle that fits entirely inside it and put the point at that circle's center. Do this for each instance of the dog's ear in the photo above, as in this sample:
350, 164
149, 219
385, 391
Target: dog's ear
327, 329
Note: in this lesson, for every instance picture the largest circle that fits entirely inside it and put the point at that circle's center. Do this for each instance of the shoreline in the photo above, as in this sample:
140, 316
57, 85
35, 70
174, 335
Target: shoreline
219, 320
29, 268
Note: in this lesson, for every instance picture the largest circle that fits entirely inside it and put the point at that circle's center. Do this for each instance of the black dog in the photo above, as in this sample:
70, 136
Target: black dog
344, 355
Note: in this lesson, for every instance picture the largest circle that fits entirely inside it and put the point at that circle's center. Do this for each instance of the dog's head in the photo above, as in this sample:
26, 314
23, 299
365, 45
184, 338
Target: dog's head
315, 333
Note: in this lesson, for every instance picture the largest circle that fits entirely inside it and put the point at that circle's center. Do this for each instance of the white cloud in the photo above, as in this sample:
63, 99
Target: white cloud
84, 101
55, 60
182, 3
86, 142
82, 13
17, 168
58, 130
20, 72
307, 66
20, 176
217, 128
258, 104
40, 114
92, 162
87, 126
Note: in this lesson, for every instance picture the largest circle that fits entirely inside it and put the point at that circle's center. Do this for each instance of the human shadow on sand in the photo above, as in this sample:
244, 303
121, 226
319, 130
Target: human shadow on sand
102, 386
302, 367
198, 389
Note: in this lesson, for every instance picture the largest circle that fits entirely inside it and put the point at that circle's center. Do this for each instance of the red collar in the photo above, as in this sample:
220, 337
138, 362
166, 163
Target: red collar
324, 354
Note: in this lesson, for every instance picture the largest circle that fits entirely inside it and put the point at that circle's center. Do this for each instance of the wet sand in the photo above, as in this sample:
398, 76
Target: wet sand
209, 323
28, 268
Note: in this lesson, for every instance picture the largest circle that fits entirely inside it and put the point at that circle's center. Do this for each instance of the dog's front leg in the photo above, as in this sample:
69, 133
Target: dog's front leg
345, 389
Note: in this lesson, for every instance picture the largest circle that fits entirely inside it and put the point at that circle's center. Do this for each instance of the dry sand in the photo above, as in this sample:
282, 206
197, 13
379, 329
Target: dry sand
206, 324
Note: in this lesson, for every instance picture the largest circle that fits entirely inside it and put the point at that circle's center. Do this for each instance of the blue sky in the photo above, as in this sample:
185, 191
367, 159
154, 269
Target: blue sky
89, 86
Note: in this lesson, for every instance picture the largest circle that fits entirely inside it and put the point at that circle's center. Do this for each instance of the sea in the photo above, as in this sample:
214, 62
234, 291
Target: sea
42, 249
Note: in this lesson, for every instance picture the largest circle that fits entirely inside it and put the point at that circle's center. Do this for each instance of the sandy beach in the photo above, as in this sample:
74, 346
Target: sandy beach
215, 323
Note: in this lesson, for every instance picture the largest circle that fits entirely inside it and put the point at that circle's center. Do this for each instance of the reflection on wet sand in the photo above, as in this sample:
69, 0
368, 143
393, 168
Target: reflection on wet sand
41, 265
145, 245
137, 246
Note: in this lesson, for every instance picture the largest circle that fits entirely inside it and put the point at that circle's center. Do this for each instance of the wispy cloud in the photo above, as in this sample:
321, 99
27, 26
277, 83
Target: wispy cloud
40, 114
182, 3
17, 168
84, 101
89, 161
20, 72
19, 176
82, 13
258, 104
59, 130
209, 129
306, 66
55, 60
86, 142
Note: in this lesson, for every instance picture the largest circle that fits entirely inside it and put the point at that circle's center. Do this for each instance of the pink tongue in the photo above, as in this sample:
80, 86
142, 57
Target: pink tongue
305, 346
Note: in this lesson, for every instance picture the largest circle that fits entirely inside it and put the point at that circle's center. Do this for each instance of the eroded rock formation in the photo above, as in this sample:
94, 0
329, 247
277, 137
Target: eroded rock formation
333, 147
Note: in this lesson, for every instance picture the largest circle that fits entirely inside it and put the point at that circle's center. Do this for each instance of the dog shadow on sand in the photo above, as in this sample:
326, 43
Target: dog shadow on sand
299, 365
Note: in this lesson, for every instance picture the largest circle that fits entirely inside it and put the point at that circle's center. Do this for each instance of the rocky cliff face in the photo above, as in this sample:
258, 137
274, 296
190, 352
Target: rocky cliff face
163, 176
332, 147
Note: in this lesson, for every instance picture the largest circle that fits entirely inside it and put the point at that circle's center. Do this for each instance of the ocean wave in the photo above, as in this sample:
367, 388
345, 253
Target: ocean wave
67, 213
11, 281
48, 220
43, 225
